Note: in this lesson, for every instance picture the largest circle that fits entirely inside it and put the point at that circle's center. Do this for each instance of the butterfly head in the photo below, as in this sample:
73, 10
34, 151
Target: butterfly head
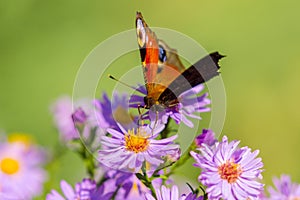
151, 103
154, 105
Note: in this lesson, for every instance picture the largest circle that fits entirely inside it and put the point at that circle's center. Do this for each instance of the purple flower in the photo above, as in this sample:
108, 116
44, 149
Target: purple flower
67, 114
127, 186
62, 111
128, 150
229, 172
79, 116
164, 193
206, 137
110, 112
188, 105
21, 174
85, 190
284, 189
38, 155
124, 185
174, 157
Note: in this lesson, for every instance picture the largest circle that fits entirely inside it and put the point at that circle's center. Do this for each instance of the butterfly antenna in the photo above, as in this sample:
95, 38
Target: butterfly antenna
130, 86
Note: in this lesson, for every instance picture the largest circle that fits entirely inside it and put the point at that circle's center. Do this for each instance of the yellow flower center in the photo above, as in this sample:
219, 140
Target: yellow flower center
230, 171
136, 142
19, 137
9, 166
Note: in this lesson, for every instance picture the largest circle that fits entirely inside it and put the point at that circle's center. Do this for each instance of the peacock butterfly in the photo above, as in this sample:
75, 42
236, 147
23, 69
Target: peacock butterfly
165, 76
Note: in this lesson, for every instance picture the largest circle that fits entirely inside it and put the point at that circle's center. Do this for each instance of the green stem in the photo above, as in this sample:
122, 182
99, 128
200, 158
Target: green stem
83, 151
116, 192
205, 197
88, 160
152, 190
146, 181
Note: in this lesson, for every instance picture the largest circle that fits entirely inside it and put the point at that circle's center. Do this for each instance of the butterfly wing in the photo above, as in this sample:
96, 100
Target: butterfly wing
165, 76
148, 46
161, 64
202, 71
169, 57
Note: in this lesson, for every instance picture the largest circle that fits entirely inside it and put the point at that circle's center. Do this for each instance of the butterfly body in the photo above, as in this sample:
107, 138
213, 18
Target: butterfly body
158, 105
165, 76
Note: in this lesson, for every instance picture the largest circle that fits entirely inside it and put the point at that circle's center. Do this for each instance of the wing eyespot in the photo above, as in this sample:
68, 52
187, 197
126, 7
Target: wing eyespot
162, 54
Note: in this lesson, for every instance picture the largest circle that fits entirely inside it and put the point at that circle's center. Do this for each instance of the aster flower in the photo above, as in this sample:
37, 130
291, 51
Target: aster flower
188, 105
21, 174
38, 155
284, 189
68, 115
110, 112
174, 157
128, 150
126, 186
229, 172
62, 110
164, 193
85, 190
206, 137
79, 116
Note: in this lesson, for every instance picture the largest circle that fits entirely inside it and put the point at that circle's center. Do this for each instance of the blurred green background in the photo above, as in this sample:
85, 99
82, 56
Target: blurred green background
43, 43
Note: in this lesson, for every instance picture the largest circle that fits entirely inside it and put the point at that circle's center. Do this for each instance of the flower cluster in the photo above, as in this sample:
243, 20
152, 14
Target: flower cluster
138, 154
134, 156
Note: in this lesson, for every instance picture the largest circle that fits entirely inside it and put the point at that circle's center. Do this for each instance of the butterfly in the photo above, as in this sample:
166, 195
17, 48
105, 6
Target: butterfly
165, 76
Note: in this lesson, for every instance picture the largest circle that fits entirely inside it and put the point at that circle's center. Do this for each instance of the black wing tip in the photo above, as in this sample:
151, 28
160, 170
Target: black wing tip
139, 15
216, 56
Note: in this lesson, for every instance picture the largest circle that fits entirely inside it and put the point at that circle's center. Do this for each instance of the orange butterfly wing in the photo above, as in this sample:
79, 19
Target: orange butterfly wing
161, 64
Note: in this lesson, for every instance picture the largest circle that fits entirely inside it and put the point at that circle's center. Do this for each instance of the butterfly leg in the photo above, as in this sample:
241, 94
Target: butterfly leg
141, 115
155, 122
